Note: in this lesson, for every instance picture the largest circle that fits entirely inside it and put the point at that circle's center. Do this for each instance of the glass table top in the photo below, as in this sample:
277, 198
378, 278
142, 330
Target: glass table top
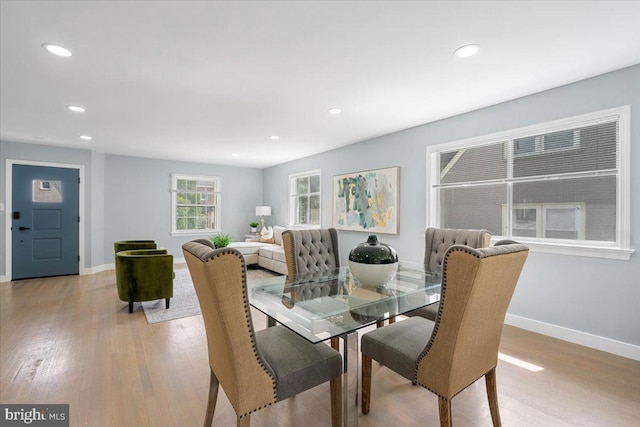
332, 303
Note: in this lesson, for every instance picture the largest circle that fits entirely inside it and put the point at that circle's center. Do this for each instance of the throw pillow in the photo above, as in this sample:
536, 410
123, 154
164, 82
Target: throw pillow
266, 235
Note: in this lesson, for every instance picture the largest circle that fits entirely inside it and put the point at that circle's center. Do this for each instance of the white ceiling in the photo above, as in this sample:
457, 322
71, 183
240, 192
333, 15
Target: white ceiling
199, 81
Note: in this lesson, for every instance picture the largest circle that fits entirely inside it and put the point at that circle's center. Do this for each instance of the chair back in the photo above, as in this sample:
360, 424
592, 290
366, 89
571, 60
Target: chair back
310, 251
477, 285
438, 240
128, 245
219, 278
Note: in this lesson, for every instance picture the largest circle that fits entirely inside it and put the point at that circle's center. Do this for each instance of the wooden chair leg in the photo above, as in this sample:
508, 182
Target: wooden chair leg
335, 343
167, 303
366, 383
244, 421
213, 397
130, 306
392, 319
336, 401
271, 322
492, 394
379, 323
444, 408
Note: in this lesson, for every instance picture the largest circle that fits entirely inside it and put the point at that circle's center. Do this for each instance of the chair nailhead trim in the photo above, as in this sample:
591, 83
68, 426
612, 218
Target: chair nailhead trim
443, 294
248, 322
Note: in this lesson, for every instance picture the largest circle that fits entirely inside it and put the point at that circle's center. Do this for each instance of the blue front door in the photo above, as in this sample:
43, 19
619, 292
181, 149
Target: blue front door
45, 221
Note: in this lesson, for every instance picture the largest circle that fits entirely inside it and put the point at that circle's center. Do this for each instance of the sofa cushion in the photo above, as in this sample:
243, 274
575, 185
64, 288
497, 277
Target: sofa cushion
270, 264
248, 247
272, 252
277, 234
278, 254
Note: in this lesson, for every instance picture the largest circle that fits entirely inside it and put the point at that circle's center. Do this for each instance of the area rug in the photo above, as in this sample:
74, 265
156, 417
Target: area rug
184, 302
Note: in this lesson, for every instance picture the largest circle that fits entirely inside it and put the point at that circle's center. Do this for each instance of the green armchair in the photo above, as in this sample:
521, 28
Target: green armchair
144, 275
128, 245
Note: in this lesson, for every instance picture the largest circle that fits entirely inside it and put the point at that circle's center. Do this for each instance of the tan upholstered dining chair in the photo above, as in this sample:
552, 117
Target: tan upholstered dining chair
448, 355
255, 368
436, 243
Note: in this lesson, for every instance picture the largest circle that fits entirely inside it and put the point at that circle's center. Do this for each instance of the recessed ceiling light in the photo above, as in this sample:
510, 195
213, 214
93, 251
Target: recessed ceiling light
274, 137
85, 137
235, 155
334, 111
57, 50
76, 108
467, 50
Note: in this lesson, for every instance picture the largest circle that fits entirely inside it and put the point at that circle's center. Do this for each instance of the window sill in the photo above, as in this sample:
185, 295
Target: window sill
575, 250
194, 233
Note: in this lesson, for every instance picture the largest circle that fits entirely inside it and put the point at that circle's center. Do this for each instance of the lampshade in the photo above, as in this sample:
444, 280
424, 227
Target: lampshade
263, 210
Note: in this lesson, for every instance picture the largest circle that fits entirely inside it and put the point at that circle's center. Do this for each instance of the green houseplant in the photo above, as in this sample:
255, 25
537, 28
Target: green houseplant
254, 226
221, 240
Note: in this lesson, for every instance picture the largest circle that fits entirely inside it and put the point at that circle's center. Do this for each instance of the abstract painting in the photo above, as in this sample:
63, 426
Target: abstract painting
367, 201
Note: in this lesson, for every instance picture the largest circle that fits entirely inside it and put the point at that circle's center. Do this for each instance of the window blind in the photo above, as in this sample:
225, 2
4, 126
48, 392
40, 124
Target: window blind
554, 182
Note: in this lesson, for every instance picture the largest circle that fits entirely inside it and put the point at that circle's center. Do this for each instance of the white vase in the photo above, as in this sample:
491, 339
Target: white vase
373, 274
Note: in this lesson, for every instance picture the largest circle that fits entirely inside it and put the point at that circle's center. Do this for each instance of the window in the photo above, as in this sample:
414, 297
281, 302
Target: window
539, 144
304, 198
195, 204
546, 220
560, 187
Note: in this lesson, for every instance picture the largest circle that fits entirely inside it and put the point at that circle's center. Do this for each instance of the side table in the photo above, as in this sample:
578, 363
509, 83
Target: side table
252, 237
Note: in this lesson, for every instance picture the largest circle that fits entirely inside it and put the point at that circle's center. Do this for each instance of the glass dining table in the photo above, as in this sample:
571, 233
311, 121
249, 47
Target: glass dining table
321, 306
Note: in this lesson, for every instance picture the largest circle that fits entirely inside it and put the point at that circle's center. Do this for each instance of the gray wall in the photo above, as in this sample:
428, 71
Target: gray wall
596, 296
129, 197
138, 200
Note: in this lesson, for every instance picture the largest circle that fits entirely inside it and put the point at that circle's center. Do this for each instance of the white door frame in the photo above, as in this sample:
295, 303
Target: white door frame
9, 208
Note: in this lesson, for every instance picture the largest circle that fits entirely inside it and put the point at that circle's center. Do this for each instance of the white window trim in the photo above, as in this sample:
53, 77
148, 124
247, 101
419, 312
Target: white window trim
174, 190
290, 196
619, 250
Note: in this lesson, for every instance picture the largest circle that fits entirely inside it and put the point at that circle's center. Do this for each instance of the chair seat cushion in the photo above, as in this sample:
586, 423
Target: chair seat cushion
398, 346
429, 312
297, 364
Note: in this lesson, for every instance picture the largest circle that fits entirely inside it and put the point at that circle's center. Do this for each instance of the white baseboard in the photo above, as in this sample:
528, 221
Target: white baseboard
577, 337
94, 270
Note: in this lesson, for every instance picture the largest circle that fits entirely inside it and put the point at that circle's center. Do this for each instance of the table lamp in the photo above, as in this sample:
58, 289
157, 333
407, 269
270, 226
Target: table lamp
263, 211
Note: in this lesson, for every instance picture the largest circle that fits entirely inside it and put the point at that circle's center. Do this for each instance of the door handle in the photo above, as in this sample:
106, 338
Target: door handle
24, 228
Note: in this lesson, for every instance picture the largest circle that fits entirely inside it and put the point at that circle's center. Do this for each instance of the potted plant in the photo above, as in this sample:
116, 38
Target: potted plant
221, 240
254, 226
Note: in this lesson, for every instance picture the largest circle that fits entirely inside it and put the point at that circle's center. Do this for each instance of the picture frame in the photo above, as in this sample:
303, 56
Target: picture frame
367, 201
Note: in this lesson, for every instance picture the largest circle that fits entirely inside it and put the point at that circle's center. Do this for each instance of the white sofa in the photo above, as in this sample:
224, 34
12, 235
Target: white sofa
266, 254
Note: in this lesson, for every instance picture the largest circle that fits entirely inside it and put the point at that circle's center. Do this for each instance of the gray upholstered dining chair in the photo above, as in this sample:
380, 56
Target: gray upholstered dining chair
436, 243
461, 346
311, 251
255, 368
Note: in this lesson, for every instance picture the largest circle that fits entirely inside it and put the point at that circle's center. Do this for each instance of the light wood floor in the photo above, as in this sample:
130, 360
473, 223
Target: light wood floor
70, 340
